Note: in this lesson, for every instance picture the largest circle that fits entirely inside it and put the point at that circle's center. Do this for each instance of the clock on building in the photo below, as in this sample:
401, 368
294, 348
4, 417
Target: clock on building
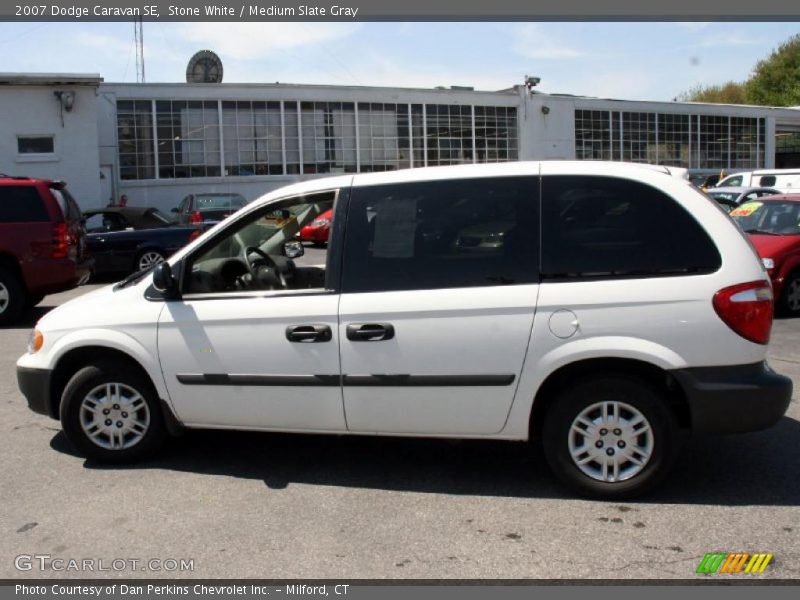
204, 67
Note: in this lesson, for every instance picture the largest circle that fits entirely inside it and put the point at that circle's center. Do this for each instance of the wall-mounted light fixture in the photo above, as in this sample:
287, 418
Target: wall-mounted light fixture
66, 100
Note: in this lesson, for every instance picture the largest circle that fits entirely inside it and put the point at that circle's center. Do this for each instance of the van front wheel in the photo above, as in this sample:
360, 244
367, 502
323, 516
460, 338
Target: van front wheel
111, 413
610, 437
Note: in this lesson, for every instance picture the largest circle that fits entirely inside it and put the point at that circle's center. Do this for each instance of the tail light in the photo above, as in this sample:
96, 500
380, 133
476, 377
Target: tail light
194, 235
61, 241
196, 217
747, 309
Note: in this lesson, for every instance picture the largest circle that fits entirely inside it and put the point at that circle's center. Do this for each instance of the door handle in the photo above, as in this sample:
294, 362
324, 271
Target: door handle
370, 332
308, 334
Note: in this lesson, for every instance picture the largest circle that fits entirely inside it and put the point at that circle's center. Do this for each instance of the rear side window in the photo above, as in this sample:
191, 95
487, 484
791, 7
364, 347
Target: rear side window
767, 180
606, 227
69, 208
21, 204
442, 234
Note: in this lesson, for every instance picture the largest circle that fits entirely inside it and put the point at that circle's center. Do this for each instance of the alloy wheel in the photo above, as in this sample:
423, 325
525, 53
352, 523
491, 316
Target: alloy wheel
114, 416
4, 297
610, 441
148, 259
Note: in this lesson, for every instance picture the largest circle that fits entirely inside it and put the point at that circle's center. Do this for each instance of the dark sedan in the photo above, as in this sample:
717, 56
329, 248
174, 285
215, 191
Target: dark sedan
126, 239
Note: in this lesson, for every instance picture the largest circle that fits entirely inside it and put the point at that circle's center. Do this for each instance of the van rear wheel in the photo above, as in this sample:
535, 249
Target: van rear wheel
610, 437
111, 413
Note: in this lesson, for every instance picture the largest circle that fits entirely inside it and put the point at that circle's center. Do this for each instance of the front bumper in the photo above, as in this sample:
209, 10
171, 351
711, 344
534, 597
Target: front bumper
35, 386
734, 399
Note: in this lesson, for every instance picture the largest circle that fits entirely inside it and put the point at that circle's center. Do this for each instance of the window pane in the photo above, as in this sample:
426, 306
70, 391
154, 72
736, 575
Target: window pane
608, 227
135, 138
223, 266
442, 234
21, 204
35, 145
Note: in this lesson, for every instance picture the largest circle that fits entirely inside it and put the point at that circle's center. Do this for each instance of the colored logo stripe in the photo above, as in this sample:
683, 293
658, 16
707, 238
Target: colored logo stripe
733, 562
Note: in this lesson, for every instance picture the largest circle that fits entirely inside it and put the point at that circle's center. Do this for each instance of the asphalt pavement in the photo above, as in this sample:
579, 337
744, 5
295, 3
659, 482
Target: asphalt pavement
300, 506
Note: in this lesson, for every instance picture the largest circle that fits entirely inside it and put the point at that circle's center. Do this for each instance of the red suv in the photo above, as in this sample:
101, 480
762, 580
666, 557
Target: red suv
42, 243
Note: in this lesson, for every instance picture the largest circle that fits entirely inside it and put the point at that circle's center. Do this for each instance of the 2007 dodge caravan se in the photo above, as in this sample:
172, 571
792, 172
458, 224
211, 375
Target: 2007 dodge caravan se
601, 307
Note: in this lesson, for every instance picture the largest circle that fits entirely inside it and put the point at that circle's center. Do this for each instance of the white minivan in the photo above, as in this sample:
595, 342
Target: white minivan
602, 308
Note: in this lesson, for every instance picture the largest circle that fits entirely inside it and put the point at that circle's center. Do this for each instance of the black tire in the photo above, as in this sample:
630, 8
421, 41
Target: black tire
789, 305
319, 244
12, 297
630, 391
72, 411
33, 300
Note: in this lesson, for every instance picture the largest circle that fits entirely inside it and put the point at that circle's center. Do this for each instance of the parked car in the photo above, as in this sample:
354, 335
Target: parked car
784, 180
640, 310
42, 243
739, 195
703, 180
318, 230
727, 205
125, 239
207, 209
773, 224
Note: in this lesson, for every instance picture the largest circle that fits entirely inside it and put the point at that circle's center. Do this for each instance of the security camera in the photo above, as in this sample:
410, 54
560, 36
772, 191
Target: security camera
531, 82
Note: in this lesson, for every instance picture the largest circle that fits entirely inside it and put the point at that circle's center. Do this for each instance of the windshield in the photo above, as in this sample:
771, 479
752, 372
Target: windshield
220, 202
159, 216
776, 218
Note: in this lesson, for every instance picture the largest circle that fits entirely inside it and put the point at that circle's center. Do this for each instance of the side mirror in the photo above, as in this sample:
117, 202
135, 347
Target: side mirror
293, 249
174, 209
164, 281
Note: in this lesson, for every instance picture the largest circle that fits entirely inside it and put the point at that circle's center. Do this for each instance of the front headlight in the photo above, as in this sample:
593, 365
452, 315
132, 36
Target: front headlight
35, 341
768, 263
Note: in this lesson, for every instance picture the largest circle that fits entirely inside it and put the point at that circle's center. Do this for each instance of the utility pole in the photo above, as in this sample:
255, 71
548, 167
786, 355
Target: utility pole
138, 36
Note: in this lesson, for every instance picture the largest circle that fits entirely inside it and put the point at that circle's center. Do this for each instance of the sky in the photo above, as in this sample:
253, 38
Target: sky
635, 61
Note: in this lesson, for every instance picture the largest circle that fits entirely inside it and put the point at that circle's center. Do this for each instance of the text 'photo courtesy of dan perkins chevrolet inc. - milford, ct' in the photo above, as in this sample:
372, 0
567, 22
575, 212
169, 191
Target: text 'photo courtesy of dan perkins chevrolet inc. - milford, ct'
179, 590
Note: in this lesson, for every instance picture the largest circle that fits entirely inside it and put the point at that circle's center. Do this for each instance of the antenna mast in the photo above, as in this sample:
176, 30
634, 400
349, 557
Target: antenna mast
138, 36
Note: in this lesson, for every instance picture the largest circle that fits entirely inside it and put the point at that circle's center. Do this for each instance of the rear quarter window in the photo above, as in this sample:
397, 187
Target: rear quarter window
606, 227
21, 204
69, 208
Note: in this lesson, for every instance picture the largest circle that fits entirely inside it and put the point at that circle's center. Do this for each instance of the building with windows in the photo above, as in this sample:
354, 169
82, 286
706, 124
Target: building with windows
158, 142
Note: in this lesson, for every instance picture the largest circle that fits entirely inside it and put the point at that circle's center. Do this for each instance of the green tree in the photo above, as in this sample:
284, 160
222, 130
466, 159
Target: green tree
727, 93
776, 80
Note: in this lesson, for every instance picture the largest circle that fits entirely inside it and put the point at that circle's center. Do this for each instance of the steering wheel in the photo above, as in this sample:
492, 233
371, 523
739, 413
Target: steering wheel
264, 260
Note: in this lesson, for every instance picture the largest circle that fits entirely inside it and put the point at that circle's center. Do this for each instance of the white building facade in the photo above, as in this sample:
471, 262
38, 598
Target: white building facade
48, 129
156, 143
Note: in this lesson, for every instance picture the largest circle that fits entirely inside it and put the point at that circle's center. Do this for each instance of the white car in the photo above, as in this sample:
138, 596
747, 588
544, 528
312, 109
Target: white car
621, 307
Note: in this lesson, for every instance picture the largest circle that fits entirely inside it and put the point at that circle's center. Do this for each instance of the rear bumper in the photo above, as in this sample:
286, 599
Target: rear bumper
734, 399
35, 386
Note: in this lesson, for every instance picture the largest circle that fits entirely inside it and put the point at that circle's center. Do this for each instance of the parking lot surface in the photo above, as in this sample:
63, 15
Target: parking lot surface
298, 506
